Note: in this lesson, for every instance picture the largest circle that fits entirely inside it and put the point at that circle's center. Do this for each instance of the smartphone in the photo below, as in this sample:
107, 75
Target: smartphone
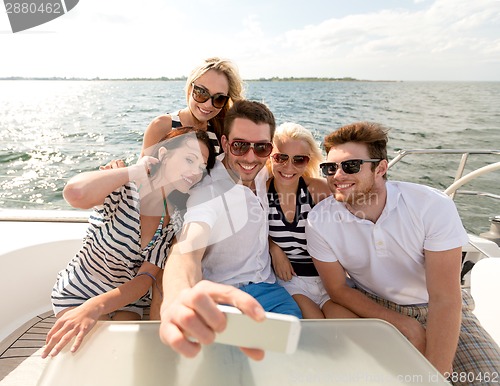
278, 332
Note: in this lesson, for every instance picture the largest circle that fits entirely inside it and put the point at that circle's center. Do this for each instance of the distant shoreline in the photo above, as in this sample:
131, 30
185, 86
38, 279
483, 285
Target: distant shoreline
165, 79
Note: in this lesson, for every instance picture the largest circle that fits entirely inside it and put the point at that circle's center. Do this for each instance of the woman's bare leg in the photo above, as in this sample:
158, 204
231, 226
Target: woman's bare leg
310, 310
157, 297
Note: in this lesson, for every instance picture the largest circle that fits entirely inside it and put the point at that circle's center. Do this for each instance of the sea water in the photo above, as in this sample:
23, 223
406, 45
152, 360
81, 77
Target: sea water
52, 130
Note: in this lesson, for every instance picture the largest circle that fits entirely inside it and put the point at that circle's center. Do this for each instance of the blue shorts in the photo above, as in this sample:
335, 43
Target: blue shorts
273, 298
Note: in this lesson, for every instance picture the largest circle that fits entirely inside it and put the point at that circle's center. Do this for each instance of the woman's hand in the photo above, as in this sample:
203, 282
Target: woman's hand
142, 172
282, 266
74, 322
148, 164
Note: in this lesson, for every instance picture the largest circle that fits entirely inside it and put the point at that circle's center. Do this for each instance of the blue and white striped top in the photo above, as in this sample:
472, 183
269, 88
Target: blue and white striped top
290, 236
111, 253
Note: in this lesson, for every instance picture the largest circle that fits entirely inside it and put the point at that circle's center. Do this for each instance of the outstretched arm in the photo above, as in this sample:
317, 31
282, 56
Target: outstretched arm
182, 272
89, 189
189, 313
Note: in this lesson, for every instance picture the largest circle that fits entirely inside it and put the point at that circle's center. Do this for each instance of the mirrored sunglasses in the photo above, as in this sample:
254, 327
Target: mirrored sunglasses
260, 149
297, 160
201, 95
351, 166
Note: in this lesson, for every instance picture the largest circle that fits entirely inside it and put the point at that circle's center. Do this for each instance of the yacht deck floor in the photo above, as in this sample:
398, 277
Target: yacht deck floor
23, 346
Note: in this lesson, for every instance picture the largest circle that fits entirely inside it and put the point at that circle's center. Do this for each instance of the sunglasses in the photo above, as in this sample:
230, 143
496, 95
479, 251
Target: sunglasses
260, 149
351, 166
297, 160
201, 95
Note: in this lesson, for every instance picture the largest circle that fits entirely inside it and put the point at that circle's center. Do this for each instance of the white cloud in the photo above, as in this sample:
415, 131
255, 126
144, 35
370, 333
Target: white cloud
369, 45
439, 39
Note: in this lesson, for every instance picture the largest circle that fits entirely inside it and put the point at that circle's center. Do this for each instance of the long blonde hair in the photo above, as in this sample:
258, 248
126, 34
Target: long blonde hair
236, 90
290, 130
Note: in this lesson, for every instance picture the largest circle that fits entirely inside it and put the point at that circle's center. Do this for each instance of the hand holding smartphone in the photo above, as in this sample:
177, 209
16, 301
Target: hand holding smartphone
278, 332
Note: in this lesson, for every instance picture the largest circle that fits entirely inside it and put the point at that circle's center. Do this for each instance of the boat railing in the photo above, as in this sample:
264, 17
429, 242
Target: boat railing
460, 178
44, 215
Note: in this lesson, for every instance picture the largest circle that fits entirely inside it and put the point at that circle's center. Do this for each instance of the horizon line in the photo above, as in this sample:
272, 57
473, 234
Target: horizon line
260, 79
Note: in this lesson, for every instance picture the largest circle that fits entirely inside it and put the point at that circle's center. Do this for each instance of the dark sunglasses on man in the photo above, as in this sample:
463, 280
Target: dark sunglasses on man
201, 95
297, 160
351, 166
260, 149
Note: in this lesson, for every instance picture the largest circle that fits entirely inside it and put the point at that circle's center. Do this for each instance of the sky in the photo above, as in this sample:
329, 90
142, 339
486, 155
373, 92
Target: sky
409, 40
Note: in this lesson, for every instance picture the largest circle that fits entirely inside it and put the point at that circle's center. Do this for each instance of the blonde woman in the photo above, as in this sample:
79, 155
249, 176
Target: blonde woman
211, 89
293, 190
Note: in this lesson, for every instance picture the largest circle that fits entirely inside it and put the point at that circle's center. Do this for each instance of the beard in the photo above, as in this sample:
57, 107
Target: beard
364, 194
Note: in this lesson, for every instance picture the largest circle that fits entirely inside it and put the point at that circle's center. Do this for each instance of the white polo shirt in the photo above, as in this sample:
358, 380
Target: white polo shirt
386, 258
238, 250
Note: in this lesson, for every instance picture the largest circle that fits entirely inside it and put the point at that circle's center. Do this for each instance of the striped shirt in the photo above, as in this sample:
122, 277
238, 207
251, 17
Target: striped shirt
290, 236
111, 254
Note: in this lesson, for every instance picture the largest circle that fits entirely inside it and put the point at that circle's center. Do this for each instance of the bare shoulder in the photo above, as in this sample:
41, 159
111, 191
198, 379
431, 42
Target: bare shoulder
156, 130
162, 123
318, 188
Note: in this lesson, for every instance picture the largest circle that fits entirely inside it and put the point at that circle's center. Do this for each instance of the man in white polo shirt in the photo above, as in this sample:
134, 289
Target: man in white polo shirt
225, 233
400, 244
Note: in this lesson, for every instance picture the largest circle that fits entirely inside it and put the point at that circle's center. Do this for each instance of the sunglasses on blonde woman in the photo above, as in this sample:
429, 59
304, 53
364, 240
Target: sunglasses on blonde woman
351, 166
260, 149
201, 95
297, 160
